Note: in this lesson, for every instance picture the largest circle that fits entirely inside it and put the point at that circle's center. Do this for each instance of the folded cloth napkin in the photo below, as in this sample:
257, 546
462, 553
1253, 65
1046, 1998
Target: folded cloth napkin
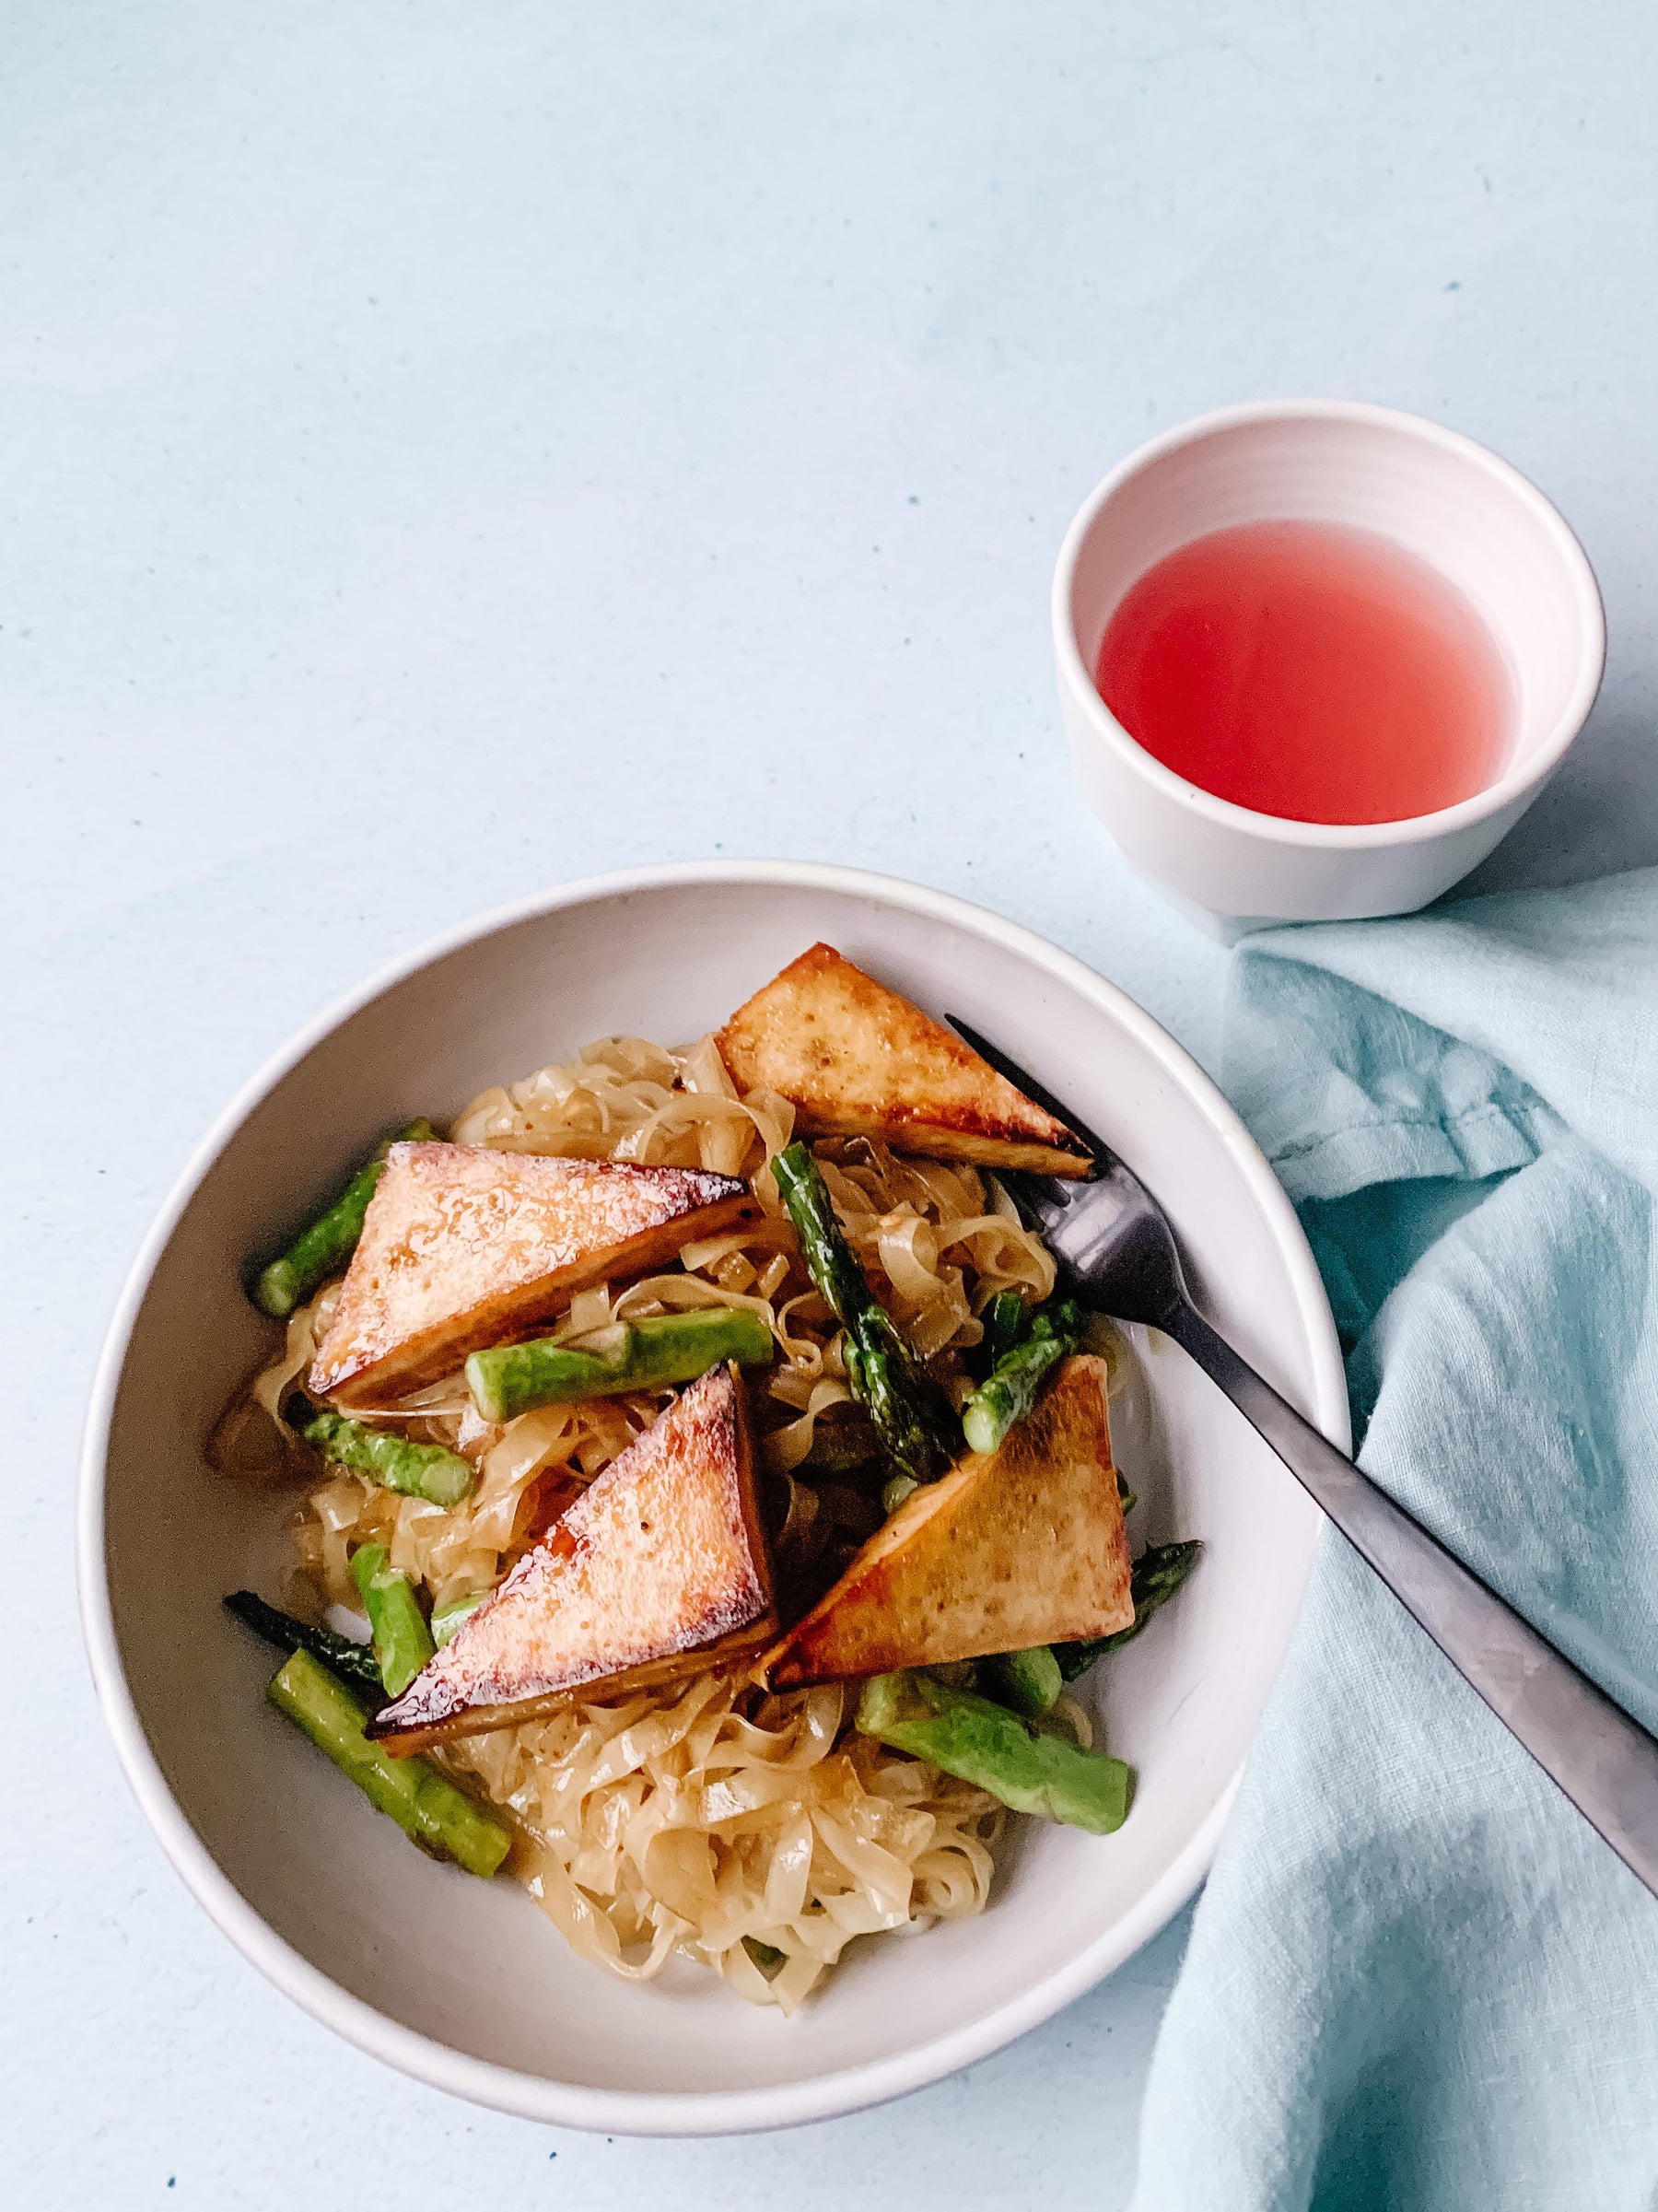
1416, 1978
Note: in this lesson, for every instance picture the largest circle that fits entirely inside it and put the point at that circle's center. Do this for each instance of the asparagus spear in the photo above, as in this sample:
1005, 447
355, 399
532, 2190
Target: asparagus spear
766, 1955
1158, 1572
403, 1643
1028, 1681
1004, 1319
984, 1743
416, 1470
323, 1248
1009, 1391
440, 1817
911, 1414
669, 1348
894, 1490
353, 1662
446, 1619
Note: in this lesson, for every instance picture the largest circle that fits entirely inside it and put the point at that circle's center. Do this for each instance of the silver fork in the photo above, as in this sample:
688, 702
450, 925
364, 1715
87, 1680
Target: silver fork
1113, 1241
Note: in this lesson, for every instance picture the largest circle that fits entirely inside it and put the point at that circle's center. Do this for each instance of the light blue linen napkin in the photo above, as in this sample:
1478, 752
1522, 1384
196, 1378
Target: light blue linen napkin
1416, 1978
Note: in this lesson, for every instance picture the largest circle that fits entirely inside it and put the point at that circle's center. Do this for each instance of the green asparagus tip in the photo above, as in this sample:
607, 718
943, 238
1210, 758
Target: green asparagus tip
1158, 1572
351, 1662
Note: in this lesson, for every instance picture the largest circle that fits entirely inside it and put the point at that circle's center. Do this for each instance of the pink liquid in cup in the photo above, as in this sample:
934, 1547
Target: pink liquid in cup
1311, 671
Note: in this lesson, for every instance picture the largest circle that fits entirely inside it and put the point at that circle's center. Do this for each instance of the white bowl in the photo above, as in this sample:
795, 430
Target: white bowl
1439, 495
461, 1983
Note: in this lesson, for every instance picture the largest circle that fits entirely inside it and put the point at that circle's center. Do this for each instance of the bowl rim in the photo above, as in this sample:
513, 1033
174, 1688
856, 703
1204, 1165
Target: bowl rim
1513, 788
505, 2089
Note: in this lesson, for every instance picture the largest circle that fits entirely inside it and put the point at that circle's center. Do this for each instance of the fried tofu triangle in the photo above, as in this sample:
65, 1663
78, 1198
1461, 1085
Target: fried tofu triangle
854, 1059
1019, 1546
461, 1247
659, 1569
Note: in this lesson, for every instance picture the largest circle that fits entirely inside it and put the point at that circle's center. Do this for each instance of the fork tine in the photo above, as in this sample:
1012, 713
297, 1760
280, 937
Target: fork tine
1032, 1088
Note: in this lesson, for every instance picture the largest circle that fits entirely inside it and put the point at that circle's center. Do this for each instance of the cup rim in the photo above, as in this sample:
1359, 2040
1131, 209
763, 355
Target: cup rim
1511, 789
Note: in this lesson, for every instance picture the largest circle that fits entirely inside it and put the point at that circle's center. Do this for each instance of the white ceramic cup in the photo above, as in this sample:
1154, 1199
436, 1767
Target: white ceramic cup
1475, 518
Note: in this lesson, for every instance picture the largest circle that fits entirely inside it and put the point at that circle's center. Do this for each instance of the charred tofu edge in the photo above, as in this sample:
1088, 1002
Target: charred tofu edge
977, 1116
824, 1645
731, 1643
358, 1371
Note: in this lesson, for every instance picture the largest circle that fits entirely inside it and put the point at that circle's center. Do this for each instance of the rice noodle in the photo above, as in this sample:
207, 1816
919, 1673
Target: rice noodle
624, 1099
692, 1816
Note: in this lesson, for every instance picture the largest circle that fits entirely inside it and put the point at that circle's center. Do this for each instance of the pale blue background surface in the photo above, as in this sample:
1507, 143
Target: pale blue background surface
446, 450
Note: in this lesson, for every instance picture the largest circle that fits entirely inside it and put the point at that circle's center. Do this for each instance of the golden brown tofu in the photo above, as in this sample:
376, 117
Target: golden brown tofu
463, 1247
1019, 1546
659, 1569
854, 1059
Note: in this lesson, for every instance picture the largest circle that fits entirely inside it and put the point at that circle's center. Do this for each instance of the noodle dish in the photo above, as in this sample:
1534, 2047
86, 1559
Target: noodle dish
702, 1491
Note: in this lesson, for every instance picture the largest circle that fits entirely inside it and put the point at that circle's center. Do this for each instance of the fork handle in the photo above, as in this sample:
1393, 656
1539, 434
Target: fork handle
1604, 1761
